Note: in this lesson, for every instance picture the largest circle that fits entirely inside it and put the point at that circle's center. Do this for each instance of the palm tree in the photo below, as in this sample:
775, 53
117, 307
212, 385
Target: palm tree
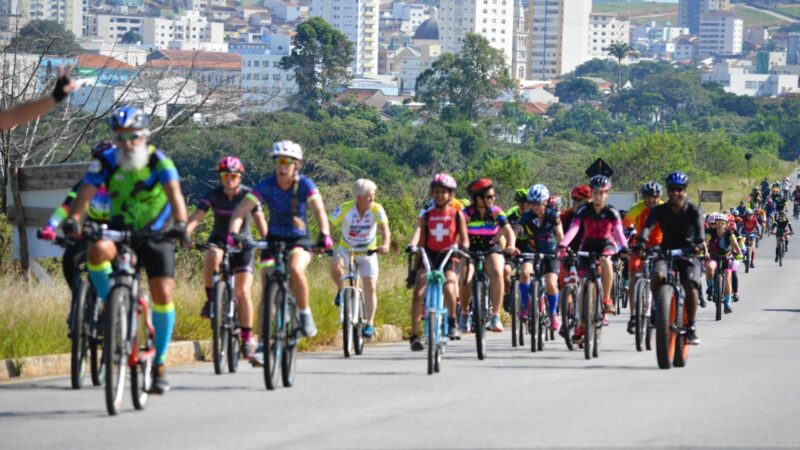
620, 50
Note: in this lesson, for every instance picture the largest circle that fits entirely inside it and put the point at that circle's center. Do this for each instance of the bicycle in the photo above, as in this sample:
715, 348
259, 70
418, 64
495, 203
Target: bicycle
351, 304
567, 299
643, 302
718, 286
224, 314
672, 320
436, 326
480, 302
512, 304
538, 322
750, 239
591, 307
618, 291
780, 246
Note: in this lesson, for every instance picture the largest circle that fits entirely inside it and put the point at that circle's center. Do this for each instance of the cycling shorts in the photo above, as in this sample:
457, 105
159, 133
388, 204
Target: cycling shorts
367, 265
688, 269
435, 259
293, 246
241, 261
727, 264
550, 265
156, 257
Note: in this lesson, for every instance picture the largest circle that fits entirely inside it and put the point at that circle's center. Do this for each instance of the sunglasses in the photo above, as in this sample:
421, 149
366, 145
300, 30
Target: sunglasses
675, 189
127, 137
284, 161
230, 175
489, 197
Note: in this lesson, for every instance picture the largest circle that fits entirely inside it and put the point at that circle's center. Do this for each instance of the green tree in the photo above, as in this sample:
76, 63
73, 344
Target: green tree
574, 90
320, 60
44, 36
131, 37
462, 84
600, 68
620, 50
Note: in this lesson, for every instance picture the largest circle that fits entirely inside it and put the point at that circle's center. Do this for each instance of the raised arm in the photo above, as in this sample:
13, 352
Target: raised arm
25, 112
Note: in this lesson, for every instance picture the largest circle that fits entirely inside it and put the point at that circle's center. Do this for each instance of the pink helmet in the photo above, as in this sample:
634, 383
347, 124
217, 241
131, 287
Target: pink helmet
444, 180
230, 164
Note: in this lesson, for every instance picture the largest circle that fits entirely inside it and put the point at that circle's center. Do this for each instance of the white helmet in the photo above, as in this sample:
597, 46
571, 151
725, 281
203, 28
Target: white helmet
538, 194
287, 148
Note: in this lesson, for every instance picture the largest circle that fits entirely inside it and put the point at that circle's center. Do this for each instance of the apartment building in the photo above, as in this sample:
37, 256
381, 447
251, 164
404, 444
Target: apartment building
606, 29
358, 20
689, 12
68, 13
492, 19
720, 33
559, 36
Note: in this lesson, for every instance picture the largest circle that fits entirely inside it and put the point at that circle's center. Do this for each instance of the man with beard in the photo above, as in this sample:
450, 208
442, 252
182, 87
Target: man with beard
145, 196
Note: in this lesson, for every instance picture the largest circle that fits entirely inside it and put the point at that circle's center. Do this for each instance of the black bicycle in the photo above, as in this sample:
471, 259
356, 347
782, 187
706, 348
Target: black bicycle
643, 302
672, 318
718, 286
538, 322
512, 298
591, 306
480, 302
568, 300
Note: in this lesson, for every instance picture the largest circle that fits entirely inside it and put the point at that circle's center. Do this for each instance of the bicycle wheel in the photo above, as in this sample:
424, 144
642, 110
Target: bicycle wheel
588, 293
115, 354
513, 292
649, 318
79, 334
358, 329
567, 319
747, 261
780, 254
533, 316
638, 313
234, 333
270, 329
541, 328
346, 297
616, 291
598, 322
219, 338
142, 372
666, 336
290, 327
478, 317
95, 358
680, 322
718, 295
433, 328
437, 363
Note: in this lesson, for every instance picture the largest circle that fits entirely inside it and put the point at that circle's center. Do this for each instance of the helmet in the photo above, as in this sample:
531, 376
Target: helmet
287, 148
521, 195
581, 192
600, 182
651, 189
128, 117
230, 164
538, 194
735, 213
786, 179
749, 212
479, 187
555, 202
444, 180
677, 178
721, 218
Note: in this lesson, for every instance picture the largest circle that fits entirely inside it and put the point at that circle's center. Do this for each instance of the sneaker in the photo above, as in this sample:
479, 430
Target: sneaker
416, 344
495, 324
160, 384
752, 266
554, 323
735, 298
463, 323
709, 291
608, 307
454, 334
578, 336
205, 313
257, 358
691, 336
728, 309
369, 331
307, 325
632, 325
248, 348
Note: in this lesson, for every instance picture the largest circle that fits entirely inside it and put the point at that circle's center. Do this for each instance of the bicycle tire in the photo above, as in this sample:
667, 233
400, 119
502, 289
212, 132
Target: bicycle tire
747, 260
665, 334
780, 254
234, 333
219, 341
638, 314
567, 320
533, 315
513, 292
346, 299
358, 330
143, 341
432, 327
541, 328
650, 317
598, 322
626, 295
289, 352
587, 315
95, 357
269, 331
79, 335
437, 363
478, 318
681, 321
718, 296
616, 291
115, 355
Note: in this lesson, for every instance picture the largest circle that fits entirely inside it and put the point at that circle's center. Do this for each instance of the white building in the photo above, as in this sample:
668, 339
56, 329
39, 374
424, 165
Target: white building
131, 54
111, 27
158, 96
740, 78
606, 29
287, 11
721, 33
686, 48
188, 31
358, 21
559, 36
410, 15
492, 19
68, 13
265, 86
519, 61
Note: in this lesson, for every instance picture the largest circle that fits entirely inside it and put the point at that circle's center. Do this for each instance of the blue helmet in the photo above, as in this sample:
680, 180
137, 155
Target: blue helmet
129, 117
677, 178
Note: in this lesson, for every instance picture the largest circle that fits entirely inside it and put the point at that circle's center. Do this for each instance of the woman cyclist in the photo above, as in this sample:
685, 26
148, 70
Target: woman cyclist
722, 243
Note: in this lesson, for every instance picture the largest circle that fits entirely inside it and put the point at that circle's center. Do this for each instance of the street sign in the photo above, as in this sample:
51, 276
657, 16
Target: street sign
599, 167
711, 197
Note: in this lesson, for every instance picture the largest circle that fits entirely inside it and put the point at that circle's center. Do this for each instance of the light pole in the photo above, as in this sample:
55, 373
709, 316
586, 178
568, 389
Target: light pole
748, 156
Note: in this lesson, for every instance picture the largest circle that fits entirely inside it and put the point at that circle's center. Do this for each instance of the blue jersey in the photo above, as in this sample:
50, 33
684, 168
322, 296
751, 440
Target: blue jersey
285, 221
541, 234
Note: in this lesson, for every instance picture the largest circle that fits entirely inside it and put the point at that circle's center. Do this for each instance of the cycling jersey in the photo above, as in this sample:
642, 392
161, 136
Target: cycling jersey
680, 229
750, 225
780, 202
456, 203
541, 234
98, 210
358, 230
602, 231
719, 246
138, 200
637, 217
780, 226
566, 222
513, 215
440, 228
285, 221
483, 231
223, 207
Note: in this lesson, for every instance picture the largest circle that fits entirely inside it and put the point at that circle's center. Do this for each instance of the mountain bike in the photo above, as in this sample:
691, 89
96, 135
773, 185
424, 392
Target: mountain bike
538, 323
350, 298
643, 302
780, 246
750, 240
718, 286
672, 319
224, 314
591, 306
512, 303
480, 302
568, 300
618, 291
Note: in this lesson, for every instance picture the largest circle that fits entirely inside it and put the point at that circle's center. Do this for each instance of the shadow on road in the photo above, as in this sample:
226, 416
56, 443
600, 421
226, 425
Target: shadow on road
792, 310
48, 414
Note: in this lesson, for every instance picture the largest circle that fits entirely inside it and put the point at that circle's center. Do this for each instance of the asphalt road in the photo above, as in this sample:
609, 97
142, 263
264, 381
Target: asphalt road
739, 389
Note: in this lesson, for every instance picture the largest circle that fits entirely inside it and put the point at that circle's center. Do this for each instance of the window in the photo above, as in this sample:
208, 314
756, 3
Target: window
276, 77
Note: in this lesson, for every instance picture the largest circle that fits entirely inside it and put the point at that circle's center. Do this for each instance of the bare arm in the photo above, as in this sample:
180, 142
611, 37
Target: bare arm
25, 112
173, 190
237, 219
261, 223
559, 231
386, 238
194, 220
511, 238
463, 237
318, 209
416, 234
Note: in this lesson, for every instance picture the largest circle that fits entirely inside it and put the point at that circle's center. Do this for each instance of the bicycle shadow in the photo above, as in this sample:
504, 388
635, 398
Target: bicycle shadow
793, 310
76, 413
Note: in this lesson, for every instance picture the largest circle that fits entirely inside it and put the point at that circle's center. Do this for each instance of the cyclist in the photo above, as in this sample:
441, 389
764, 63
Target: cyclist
288, 196
602, 233
755, 198
222, 201
682, 226
542, 228
441, 226
636, 218
361, 219
515, 212
751, 228
780, 201
721, 243
796, 197
786, 186
764, 188
779, 227
145, 195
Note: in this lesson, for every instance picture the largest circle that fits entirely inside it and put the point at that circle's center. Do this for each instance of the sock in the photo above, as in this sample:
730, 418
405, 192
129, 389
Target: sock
451, 322
709, 283
98, 274
247, 334
163, 322
552, 303
524, 296
306, 311
727, 299
208, 293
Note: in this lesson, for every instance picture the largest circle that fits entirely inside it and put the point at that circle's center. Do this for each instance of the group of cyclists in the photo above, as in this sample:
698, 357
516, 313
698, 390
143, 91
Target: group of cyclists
131, 185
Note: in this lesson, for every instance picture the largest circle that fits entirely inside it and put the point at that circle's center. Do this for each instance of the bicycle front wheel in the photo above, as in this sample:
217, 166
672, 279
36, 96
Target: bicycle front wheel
533, 315
142, 372
588, 294
718, 295
360, 319
638, 313
115, 354
513, 300
479, 300
666, 335
432, 328
567, 300
346, 297
289, 308
270, 329
219, 338
79, 334
234, 332
95, 357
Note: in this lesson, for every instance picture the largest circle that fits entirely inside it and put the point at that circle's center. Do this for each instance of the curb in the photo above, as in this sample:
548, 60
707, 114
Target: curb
180, 353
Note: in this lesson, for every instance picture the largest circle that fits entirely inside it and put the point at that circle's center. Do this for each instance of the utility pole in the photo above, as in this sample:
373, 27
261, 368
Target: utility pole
748, 156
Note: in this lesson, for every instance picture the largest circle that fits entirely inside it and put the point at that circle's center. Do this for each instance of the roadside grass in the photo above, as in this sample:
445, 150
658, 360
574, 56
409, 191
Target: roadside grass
789, 10
753, 18
635, 9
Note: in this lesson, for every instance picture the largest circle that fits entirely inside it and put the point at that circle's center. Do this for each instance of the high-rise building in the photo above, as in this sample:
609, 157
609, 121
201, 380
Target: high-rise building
492, 19
689, 12
720, 33
519, 63
358, 21
607, 29
559, 37
68, 13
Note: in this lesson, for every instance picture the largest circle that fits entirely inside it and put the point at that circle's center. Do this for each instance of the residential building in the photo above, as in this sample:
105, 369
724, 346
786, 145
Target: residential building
686, 48
195, 32
358, 21
410, 15
793, 48
161, 96
607, 29
740, 78
409, 61
131, 54
104, 70
720, 33
492, 19
559, 37
68, 13
287, 11
689, 12
213, 71
111, 27
766, 61
265, 86
519, 60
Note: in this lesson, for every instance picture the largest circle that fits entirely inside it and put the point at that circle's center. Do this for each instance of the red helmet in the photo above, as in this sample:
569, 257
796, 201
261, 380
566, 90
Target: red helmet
479, 187
230, 164
580, 193
554, 202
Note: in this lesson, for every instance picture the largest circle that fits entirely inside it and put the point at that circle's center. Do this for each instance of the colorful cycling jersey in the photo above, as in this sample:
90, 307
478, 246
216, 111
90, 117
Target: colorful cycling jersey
681, 229
779, 226
513, 215
440, 228
98, 210
750, 225
483, 231
358, 230
637, 217
599, 227
223, 207
284, 223
138, 199
780, 202
541, 233
719, 246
